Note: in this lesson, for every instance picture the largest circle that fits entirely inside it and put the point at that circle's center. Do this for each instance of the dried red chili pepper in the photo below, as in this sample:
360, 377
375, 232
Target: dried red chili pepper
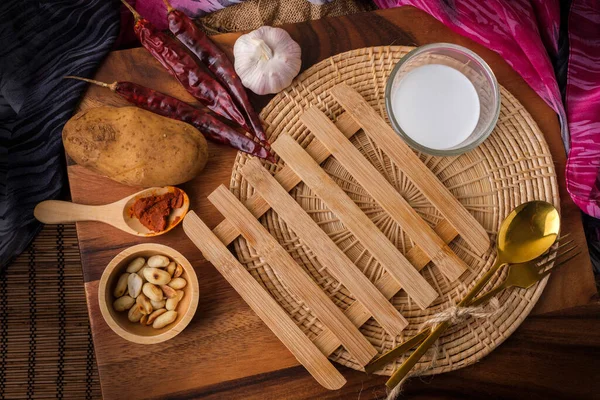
182, 66
215, 60
167, 106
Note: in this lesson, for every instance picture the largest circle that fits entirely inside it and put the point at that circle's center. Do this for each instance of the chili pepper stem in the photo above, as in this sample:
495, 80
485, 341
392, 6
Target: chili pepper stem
169, 7
111, 86
136, 15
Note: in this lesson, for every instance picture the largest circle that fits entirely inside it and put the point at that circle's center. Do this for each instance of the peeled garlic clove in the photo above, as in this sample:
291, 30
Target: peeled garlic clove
136, 265
158, 261
157, 304
169, 291
123, 303
121, 286
178, 271
157, 276
267, 59
135, 313
165, 319
143, 301
178, 283
172, 304
153, 292
171, 268
155, 315
180, 294
134, 285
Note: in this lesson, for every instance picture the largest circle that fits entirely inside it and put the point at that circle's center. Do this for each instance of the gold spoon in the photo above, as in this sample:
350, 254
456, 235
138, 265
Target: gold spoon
117, 214
525, 234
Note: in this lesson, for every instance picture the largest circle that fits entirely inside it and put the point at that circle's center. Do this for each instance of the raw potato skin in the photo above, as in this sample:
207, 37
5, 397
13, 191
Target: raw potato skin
135, 147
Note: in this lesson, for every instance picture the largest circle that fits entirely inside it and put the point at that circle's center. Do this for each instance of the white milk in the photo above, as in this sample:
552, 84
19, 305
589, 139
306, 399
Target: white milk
436, 106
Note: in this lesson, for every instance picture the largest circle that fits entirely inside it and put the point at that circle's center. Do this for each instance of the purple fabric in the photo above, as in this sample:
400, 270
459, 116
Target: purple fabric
525, 33
583, 105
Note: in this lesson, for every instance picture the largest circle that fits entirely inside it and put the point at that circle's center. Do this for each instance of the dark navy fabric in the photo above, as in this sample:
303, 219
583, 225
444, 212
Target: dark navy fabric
41, 42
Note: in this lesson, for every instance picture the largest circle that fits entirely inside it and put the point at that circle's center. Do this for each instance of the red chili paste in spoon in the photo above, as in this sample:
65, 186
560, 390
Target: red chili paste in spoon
153, 211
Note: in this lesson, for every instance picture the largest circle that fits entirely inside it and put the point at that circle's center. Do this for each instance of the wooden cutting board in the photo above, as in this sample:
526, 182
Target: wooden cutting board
227, 349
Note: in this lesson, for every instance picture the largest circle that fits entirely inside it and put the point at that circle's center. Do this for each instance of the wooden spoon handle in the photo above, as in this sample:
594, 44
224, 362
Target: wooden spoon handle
64, 212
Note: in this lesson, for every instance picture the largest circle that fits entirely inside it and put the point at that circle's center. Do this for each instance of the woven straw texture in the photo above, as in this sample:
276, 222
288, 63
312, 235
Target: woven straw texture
512, 166
46, 348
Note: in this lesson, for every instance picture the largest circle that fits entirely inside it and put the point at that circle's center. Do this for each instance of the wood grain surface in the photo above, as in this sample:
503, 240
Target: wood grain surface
228, 352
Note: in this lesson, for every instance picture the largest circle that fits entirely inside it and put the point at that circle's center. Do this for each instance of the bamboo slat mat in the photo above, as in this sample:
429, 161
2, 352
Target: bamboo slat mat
46, 348
511, 167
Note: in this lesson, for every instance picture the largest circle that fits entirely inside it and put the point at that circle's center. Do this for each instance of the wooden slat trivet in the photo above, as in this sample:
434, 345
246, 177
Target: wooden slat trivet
328, 254
293, 275
286, 178
356, 313
262, 303
392, 260
404, 157
383, 193
303, 164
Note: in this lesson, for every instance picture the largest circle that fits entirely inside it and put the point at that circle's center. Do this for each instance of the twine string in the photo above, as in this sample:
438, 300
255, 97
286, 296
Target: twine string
454, 315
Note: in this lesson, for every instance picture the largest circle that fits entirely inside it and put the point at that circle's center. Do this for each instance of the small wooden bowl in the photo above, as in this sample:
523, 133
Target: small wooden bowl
134, 331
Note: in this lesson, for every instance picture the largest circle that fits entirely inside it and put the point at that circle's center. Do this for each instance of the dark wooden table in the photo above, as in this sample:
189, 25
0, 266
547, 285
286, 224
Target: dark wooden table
227, 352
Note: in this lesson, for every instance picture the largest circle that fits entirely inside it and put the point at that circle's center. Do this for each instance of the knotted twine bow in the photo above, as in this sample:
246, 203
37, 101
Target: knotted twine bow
454, 315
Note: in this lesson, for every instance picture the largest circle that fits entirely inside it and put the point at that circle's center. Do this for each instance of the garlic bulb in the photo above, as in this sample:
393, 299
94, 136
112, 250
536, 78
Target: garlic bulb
266, 60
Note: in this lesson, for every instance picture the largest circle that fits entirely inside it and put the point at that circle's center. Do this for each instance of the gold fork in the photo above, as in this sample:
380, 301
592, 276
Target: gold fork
522, 275
528, 274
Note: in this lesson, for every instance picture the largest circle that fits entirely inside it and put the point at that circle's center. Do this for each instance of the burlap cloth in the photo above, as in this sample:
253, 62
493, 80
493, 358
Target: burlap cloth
253, 14
46, 348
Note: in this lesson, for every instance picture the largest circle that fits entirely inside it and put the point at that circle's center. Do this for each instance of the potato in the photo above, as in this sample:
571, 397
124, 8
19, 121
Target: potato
134, 146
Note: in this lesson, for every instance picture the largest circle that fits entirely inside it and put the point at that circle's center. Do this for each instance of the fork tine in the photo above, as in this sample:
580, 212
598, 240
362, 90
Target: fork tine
555, 255
558, 265
567, 251
543, 265
565, 244
551, 251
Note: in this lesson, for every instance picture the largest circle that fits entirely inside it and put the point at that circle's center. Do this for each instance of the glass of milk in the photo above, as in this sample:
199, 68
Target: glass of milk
442, 99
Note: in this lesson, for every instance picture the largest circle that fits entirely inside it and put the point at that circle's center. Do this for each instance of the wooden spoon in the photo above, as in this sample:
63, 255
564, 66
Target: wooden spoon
117, 214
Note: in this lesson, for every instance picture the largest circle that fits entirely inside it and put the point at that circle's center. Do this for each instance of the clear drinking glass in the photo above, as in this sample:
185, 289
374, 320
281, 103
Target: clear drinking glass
470, 65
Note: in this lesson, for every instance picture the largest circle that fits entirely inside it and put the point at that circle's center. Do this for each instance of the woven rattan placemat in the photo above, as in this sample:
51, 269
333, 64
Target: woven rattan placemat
46, 348
514, 165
